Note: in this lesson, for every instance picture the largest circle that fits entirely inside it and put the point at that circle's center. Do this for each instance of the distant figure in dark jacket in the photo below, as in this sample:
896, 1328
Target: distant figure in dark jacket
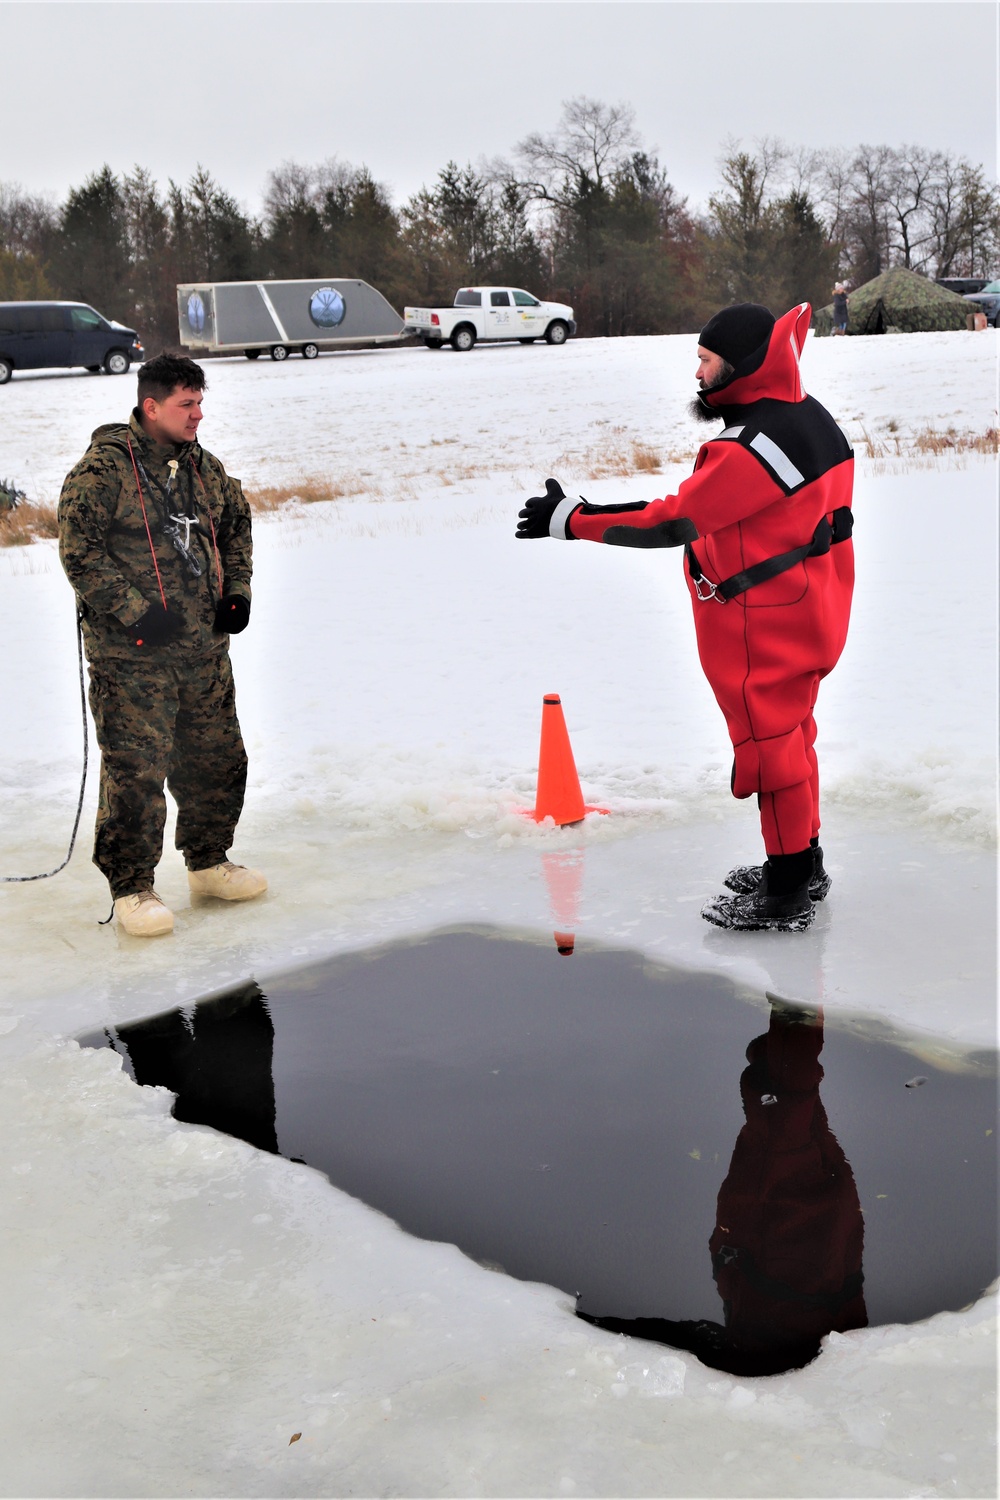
840, 308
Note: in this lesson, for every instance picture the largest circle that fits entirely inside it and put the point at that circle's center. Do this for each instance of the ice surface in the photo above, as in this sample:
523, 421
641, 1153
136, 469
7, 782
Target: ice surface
176, 1306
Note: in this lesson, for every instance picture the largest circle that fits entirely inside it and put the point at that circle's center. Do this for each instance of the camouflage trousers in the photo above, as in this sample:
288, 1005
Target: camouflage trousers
165, 723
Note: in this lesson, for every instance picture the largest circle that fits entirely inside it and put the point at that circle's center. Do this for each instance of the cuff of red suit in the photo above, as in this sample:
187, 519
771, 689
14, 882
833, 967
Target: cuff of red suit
559, 524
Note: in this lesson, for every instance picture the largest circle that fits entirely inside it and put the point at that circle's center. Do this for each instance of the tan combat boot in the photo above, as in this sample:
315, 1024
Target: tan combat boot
227, 881
143, 914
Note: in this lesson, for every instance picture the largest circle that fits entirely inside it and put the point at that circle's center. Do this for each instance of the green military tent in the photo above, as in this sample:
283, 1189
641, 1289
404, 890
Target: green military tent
899, 301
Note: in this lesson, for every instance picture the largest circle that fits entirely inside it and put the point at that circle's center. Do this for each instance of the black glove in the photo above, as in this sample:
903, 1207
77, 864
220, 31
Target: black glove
156, 627
232, 614
537, 513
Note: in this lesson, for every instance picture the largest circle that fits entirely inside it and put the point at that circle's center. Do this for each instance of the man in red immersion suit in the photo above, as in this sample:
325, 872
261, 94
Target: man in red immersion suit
765, 523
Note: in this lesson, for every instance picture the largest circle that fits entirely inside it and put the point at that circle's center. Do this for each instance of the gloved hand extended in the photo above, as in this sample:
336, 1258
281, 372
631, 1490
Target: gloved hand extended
156, 627
536, 517
232, 614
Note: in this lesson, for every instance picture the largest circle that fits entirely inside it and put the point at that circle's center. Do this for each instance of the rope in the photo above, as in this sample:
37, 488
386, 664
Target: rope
149, 535
211, 523
19, 879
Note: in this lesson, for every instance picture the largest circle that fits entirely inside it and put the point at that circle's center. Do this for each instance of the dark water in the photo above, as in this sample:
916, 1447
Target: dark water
596, 1124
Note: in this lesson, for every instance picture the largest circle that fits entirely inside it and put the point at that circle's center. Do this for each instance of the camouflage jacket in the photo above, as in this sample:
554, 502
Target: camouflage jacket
108, 554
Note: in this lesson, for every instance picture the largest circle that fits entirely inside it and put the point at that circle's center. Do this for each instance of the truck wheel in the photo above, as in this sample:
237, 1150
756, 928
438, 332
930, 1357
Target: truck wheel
556, 333
279, 352
310, 351
525, 341
252, 353
6, 371
117, 362
463, 338
433, 343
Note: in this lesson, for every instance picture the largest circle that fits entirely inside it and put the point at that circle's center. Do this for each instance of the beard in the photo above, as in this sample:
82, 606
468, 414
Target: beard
701, 412
698, 408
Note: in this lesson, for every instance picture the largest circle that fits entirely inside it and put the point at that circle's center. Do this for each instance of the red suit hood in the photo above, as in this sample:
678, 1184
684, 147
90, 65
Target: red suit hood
775, 375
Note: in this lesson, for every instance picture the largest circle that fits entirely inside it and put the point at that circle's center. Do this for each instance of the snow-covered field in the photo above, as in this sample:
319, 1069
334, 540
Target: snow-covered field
176, 1305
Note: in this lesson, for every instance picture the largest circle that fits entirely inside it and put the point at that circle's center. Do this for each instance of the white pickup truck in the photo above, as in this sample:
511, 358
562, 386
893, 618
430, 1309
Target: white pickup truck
490, 312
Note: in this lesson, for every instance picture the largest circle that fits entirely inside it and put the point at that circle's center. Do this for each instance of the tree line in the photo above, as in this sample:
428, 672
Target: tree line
585, 214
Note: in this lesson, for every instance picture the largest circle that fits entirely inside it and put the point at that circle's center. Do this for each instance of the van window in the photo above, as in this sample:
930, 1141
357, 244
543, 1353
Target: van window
521, 299
31, 320
53, 319
10, 320
468, 298
85, 320
499, 299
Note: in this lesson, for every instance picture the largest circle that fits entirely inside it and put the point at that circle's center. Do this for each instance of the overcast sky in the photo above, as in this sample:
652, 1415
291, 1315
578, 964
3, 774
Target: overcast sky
404, 87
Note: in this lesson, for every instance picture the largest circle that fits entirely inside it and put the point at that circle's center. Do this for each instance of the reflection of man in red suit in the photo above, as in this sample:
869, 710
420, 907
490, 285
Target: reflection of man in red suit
789, 1233
765, 522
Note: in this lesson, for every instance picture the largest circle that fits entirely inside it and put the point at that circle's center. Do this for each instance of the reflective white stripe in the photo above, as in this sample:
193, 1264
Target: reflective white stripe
559, 525
772, 454
729, 432
796, 356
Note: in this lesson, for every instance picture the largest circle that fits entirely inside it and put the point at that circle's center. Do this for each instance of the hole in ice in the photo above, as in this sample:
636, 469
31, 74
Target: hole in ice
731, 1178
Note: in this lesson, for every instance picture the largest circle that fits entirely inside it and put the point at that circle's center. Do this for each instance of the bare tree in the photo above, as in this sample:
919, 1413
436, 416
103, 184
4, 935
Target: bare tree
27, 221
911, 181
591, 140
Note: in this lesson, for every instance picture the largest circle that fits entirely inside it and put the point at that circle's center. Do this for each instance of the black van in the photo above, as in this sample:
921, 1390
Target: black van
58, 335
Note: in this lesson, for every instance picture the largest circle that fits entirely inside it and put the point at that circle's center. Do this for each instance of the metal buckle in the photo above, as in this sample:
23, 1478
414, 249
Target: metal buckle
711, 589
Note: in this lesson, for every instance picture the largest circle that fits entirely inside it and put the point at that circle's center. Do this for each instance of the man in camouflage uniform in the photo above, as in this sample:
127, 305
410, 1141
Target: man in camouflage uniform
155, 539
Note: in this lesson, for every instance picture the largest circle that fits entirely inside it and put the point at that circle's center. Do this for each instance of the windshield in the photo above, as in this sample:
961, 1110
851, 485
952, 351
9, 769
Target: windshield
993, 287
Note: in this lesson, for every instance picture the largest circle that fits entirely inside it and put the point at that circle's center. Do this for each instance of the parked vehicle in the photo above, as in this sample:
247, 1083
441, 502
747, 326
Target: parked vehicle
494, 313
61, 335
283, 317
988, 301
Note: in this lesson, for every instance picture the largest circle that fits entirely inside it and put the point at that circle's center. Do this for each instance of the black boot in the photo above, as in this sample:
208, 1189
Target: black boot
745, 879
780, 903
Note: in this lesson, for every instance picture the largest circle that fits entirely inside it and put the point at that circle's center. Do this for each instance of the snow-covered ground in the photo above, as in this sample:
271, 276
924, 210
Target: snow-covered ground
178, 1306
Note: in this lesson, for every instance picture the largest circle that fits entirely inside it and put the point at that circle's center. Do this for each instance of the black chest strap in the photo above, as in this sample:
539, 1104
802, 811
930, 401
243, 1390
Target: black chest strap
824, 537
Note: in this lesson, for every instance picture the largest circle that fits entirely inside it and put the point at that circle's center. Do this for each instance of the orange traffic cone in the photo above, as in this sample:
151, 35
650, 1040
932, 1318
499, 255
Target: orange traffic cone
558, 796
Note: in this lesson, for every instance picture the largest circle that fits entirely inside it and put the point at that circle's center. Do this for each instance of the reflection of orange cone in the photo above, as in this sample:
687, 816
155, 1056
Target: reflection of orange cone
559, 796
563, 870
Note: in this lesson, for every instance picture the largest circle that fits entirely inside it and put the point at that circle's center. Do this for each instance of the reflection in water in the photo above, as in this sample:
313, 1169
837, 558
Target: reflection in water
563, 871
216, 1058
787, 1244
573, 1123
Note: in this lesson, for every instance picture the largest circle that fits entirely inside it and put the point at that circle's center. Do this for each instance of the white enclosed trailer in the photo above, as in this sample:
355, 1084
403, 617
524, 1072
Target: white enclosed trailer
284, 317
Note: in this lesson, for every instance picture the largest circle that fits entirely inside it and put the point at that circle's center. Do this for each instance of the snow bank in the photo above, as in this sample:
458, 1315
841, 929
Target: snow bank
202, 1303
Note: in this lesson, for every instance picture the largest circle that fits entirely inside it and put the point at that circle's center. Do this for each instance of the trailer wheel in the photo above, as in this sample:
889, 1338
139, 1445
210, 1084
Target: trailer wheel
556, 333
6, 371
433, 343
310, 351
525, 341
117, 362
252, 353
463, 338
279, 352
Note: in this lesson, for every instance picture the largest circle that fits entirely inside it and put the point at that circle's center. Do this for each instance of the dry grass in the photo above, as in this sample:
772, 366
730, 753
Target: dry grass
929, 442
27, 524
310, 490
618, 456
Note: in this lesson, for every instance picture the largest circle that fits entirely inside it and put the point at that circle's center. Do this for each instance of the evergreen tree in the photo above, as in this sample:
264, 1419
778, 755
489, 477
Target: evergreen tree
91, 260
214, 240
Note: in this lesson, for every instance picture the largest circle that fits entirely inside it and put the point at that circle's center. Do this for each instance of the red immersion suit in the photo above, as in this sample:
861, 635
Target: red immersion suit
759, 490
